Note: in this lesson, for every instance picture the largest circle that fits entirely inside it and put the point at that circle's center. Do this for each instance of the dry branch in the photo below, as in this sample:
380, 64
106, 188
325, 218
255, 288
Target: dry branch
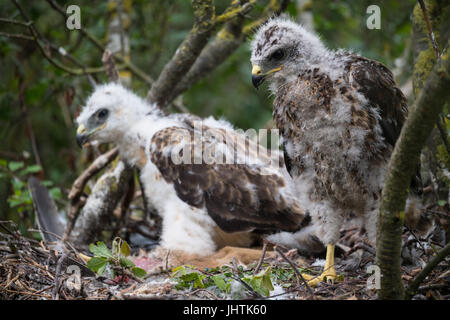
77, 188
297, 273
414, 285
104, 198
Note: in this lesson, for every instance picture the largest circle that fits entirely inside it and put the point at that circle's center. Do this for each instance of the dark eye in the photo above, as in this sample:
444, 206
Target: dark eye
102, 113
277, 55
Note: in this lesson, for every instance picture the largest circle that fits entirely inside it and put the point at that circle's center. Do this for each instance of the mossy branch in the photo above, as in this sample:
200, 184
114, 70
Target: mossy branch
420, 122
186, 54
227, 40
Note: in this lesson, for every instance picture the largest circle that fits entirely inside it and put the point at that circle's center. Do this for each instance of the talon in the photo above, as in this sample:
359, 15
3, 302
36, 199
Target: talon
330, 280
328, 275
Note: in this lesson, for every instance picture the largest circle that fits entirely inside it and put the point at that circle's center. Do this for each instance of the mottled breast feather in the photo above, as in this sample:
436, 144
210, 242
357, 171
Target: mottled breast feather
237, 196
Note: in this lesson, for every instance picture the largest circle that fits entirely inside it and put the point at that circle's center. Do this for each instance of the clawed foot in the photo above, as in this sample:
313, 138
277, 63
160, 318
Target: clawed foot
326, 276
329, 273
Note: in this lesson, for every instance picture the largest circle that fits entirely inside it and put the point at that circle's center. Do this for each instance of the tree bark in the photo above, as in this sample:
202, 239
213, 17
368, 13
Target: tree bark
97, 212
420, 122
186, 53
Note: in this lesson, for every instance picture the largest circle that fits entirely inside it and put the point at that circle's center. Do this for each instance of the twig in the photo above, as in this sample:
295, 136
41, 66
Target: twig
167, 261
126, 63
414, 285
13, 21
417, 240
297, 273
125, 205
57, 274
204, 290
236, 277
439, 213
261, 259
17, 36
430, 30
78, 186
43, 45
96, 166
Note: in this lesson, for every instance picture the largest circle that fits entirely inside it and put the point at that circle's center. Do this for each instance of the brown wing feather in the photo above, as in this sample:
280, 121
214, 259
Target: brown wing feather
376, 82
238, 197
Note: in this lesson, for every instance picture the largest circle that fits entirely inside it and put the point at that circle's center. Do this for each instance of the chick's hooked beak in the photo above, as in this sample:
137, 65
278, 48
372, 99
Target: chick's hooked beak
82, 135
258, 76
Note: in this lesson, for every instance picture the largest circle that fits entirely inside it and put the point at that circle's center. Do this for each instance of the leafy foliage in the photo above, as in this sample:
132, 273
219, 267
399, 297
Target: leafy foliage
220, 279
113, 262
19, 200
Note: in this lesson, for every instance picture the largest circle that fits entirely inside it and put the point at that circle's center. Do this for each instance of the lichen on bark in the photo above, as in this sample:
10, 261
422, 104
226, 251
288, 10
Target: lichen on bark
421, 119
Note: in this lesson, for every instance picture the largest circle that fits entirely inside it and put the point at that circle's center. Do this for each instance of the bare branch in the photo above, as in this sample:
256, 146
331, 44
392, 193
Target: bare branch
99, 164
414, 285
297, 273
77, 188
17, 36
97, 43
105, 196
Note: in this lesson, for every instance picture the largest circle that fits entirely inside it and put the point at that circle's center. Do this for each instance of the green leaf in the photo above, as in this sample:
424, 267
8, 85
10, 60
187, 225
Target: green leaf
198, 283
100, 250
15, 165
31, 169
102, 269
97, 264
138, 272
442, 203
181, 270
17, 184
261, 282
47, 183
14, 202
125, 262
220, 282
125, 249
55, 193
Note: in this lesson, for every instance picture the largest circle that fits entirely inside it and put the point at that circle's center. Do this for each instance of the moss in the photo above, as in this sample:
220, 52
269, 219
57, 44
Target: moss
426, 58
443, 155
225, 35
402, 216
418, 18
424, 63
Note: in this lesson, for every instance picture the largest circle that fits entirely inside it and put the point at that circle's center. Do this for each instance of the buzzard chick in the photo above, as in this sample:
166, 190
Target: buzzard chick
339, 115
205, 205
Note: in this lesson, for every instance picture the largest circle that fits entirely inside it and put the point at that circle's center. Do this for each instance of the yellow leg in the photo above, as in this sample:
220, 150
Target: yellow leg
328, 274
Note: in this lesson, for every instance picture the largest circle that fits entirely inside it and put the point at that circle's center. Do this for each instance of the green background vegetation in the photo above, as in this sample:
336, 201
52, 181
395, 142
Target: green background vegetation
157, 28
